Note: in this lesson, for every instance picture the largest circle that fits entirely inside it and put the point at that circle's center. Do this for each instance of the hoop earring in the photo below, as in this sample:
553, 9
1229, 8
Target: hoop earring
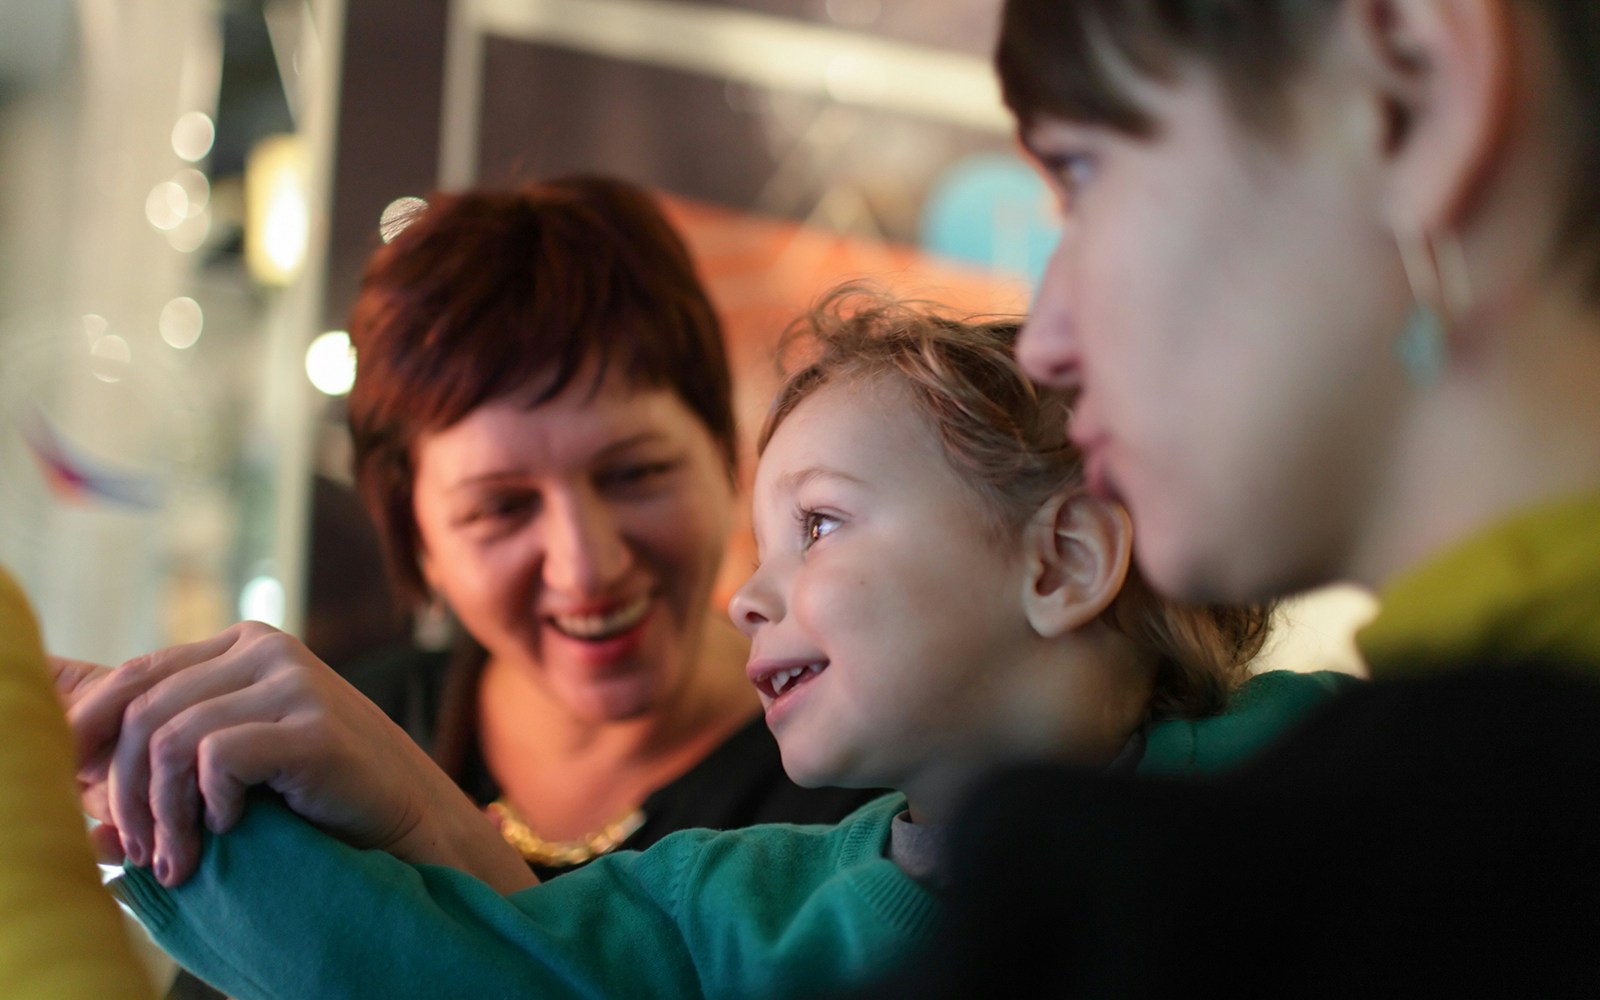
1436, 270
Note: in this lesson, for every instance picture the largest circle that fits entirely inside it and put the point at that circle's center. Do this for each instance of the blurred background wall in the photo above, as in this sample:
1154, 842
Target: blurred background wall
188, 190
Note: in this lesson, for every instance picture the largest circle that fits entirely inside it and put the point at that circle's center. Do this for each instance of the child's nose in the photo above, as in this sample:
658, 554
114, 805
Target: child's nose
750, 608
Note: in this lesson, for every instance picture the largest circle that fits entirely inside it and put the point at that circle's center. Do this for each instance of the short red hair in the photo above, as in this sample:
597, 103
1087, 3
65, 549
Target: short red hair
487, 295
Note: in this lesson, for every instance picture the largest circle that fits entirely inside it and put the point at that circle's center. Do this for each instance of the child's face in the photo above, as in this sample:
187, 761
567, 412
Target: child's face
880, 581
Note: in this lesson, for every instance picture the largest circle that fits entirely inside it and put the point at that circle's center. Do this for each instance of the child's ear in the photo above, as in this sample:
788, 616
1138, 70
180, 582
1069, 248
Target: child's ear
1076, 554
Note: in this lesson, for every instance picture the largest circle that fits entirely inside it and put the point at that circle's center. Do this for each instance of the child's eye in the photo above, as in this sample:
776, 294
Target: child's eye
814, 526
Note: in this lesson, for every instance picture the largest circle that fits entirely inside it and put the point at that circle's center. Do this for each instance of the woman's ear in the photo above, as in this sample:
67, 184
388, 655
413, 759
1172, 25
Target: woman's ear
1076, 553
1441, 71
425, 567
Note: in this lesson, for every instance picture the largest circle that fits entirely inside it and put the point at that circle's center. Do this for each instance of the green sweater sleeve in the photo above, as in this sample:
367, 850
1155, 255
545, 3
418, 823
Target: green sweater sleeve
280, 910
1262, 710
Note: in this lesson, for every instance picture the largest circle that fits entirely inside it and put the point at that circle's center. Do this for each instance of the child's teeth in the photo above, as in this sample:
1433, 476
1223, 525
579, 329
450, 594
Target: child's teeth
784, 678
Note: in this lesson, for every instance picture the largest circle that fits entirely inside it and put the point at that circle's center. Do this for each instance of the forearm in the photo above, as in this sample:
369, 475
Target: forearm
280, 910
456, 834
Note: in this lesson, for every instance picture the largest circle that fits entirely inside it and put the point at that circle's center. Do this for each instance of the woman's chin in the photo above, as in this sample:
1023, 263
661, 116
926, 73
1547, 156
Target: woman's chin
614, 699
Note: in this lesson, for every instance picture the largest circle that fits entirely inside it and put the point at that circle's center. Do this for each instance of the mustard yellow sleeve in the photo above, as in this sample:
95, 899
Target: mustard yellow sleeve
60, 933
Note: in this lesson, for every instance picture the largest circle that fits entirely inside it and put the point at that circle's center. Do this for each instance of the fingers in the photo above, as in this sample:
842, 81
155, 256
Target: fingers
154, 754
233, 760
74, 677
106, 844
185, 731
116, 722
172, 730
97, 709
94, 801
203, 761
72, 680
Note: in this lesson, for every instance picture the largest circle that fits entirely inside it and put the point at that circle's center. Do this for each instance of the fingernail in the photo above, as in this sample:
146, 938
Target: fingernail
135, 854
162, 870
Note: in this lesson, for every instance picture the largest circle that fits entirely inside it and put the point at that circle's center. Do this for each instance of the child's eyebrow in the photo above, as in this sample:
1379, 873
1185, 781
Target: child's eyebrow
789, 482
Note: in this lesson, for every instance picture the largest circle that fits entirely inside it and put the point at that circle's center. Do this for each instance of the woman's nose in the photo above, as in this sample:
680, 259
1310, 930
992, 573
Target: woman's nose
751, 606
1047, 346
585, 551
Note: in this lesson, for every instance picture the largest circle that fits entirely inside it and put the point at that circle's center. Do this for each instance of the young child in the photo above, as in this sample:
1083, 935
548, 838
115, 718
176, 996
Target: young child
937, 595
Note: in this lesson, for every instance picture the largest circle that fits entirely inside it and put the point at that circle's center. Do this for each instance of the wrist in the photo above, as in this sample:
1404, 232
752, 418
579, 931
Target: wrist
456, 833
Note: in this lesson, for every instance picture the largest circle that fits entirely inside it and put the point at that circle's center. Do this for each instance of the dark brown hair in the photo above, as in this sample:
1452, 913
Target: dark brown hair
1007, 437
1070, 60
488, 295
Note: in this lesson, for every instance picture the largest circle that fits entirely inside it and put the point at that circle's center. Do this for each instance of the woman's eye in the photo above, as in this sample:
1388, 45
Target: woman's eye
498, 511
1078, 169
1070, 175
638, 474
815, 526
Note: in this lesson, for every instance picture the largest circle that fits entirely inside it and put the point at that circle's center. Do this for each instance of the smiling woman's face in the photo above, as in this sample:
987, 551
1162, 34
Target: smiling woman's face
1226, 302
579, 539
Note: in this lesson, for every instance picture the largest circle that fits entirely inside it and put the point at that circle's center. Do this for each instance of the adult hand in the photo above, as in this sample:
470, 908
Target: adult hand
183, 732
72, 679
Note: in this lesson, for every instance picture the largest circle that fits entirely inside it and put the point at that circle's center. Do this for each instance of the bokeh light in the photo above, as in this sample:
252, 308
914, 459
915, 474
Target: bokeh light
399, 214
277, 216
94, 327
181, 322
196, 189
193, 135
166, 205
262, 600
191, 233
109, 358
331, 363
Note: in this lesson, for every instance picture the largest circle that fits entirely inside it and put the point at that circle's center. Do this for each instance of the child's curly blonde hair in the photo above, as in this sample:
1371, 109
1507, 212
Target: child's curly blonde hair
1007, 437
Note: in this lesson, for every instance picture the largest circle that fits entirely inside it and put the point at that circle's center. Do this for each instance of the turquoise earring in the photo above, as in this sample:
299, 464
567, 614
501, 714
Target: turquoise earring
1437, 272
1420, 347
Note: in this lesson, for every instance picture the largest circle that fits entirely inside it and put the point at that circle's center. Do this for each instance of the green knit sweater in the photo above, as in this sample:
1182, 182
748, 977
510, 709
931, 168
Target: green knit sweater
280, 910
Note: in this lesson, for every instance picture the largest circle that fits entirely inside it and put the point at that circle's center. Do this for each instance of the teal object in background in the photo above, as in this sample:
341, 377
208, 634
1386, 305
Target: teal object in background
993, 210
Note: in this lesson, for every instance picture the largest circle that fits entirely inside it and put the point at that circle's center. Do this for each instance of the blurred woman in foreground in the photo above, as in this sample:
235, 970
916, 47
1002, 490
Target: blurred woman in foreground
1329, 285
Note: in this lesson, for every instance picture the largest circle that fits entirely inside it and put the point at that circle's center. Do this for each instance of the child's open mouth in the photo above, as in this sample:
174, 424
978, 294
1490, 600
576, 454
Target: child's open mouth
776, 683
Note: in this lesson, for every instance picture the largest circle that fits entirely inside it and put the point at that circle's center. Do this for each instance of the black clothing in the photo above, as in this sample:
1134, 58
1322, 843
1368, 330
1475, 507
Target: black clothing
1429, 836
740, 783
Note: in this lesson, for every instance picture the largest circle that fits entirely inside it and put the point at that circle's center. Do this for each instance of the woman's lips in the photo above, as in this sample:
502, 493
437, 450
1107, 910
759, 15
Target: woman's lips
602, 626
1097, 477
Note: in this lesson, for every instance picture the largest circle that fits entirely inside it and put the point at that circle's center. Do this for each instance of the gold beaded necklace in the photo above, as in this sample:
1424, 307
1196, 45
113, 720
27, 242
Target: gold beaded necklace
561, 853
